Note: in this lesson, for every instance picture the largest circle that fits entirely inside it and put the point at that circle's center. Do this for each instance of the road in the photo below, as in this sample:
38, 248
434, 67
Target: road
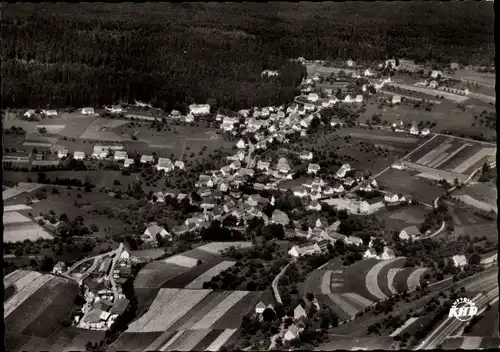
451, 325
276, 281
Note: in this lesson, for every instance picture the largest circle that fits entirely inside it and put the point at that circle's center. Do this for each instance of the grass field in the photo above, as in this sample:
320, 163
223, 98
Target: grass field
358, 343
18, 228
403, 217
155, 274
406, 182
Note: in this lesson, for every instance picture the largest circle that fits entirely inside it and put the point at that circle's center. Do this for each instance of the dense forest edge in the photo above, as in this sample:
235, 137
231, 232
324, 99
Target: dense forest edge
173, 55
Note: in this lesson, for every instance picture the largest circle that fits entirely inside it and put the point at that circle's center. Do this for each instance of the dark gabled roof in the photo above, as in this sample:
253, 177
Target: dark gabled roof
120, 305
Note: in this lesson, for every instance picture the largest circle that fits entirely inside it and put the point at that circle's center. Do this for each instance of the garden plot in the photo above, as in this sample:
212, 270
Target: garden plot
20, 231
372, 278
390, 279
384, 278
414, 278
408, 279
209, 274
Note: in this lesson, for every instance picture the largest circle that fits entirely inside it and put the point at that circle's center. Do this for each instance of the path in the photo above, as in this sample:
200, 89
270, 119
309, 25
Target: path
276, 282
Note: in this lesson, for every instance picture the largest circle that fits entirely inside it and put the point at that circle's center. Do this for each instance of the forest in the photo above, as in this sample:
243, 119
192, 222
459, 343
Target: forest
174, 54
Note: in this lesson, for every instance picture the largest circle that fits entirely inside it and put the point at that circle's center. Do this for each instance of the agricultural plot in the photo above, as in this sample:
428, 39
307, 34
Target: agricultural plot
372, 278
102, 129
449, 96
488, 325
385, 277
18, 228
405, 182
488, 229
21, 187
402, 217
384, 343
217, 247
209, 274
22, 295
408, 279
155, 274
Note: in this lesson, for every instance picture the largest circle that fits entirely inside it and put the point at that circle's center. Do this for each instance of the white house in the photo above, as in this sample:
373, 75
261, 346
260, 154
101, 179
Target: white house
62, 153
179, 164
459, 260
365, 187
49, 112
433, 84
313, 97
146, 159
309, 107
260, 308
306, 156
87, 111
297, 251
300, 191
269, 73
390, 197
263, 165
78, 155
400, 165
364, 207
318, 223
353, 240
368, 73
398, 125
241, 144
199, 109
370, 253
313, 168
414, 130
436, 74
29, 113
128, 162
350, 63
343, 170
116, 109
265, 112
359, 98
299, 312
338, 188
120, 155
292, 333
189, 118
425, 131
314, 205
348, 99
152, 231
409, 232
164, 164
396, 99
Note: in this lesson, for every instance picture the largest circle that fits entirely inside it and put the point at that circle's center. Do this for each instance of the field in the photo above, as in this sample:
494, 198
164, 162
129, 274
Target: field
196, 319
470, 343
433, 92
403, 217
383, 343
18, 228
39, 304
20, 188
488, 325
406, 182
453, 154
350, 290
479, 195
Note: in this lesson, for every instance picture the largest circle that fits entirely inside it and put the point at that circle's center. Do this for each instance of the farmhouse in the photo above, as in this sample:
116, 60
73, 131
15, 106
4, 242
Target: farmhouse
313, 97
398, 125
300, 191
29, 113
306, 156
49, 112
199, 109
120, 155
297, 251
459, 260
179, 164
87, 111
409, 232
292, 333
280, 217
283, 166
62, 153
425, 131
353, 240
128, 162
241, 144
391, 198
165, 164
313, 168
314, 205
396, 99
343, 170
263, 165
79, 155
414, 130
154, 230
260, 307
146, 159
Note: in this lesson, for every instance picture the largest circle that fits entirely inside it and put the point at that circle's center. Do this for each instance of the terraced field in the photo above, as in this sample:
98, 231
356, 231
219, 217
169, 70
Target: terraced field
185, 320
350, 290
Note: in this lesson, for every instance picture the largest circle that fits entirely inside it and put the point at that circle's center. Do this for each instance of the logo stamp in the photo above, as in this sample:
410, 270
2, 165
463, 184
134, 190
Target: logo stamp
463, 309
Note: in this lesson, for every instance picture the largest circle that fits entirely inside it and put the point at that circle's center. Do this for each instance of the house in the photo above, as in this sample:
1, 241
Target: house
128, 162
306, 156
396, 99
390, 197
87, 111
179, 164
387, 254
398, 125
309, 107
349, 181
314, 205
241, 144
409, 232
29, 113
364, 207
300, 191
49, 112
343, 170
374, 183
313, 97
433, 84
353, 240
79, 155
265, 112
365, 187
299, 313
146, 159
155, 230
347, 99
116, 109
189, 118
120, 155
350, 63
119, 306
414, 130
59, 268
400, 165
459, 260
260, 308
359, 98
370, 254
425, 131
367, 73
280, 217
436, 74
283, 166
292, 333
62, 153
318, 223
235, 165
313, 168
149, 241
297, 251
269, 73
164, 164
199, 109
263, 165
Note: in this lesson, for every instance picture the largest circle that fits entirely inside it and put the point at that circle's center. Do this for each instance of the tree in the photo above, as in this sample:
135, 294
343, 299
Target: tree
268, 314
46, 264
475, 259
